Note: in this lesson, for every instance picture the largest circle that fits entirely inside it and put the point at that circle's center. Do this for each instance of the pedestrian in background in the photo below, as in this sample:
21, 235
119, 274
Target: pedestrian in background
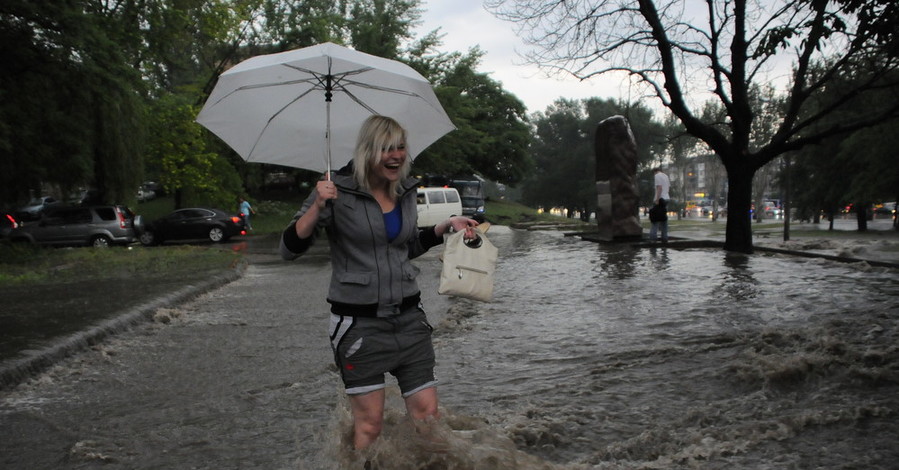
661, 198
378, 325
245, 209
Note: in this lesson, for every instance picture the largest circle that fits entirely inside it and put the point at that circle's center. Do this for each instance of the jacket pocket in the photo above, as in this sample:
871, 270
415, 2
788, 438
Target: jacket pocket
358, 278
410, 271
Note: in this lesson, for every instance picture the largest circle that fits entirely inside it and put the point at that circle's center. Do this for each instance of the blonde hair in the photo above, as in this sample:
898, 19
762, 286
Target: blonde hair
377, 134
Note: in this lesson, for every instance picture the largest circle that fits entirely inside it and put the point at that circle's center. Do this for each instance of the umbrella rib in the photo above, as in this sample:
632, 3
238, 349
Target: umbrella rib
320, 75
381, 88
272, 118
340, 78
359, 101
264, 85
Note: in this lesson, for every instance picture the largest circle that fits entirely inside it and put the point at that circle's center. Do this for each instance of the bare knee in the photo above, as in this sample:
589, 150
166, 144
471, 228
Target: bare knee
423, 405
366, 430
424, 411
368, 417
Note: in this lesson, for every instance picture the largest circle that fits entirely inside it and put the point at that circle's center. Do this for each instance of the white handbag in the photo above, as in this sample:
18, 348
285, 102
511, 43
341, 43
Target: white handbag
468, 267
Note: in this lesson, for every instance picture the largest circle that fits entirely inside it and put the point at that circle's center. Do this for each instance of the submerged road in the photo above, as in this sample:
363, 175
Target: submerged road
223, 381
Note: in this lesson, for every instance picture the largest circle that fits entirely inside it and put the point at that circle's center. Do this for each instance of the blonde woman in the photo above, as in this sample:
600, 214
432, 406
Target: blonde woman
378, 326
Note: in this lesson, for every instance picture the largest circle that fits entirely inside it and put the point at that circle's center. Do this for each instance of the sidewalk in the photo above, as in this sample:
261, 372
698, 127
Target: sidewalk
879, 246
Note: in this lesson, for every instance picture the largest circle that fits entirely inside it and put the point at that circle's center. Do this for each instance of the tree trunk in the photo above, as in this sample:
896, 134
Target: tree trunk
861, 215
738, 236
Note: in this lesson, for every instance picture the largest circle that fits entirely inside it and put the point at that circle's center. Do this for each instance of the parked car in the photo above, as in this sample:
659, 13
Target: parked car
772, 210
33, 208
98, 226
886, 208
7, 223
145, 194
147, 191
192, 224
472, 206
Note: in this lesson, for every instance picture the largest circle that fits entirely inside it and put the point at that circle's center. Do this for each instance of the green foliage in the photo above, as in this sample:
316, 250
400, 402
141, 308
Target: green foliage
70, 103
177, 151
293, 24
858, 167
379, 27
492, 135
564, 149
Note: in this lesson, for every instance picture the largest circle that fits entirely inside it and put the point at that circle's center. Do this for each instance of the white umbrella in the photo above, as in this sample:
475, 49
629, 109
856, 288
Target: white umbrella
297, 108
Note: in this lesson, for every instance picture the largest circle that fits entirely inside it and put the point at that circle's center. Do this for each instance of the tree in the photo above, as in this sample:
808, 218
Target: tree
564, 152
859, 168
491, 136
71, 103
726, 47
380, 27
565, 164
178, 146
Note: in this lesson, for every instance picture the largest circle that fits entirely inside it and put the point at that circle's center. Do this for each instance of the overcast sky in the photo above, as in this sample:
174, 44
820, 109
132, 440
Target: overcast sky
465, 23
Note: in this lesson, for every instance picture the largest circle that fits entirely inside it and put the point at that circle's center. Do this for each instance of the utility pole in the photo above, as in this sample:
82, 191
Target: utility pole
786, 201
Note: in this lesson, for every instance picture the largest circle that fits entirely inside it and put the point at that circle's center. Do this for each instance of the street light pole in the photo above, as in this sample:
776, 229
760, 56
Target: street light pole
786, 201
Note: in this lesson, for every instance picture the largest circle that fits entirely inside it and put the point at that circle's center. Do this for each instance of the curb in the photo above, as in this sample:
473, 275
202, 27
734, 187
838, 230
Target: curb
680, 244
18, 370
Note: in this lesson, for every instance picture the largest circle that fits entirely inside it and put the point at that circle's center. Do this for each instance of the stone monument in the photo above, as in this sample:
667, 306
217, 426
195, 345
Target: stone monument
618, 202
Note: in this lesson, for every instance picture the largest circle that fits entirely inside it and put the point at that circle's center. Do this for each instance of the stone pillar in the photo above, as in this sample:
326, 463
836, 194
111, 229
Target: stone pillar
618, 202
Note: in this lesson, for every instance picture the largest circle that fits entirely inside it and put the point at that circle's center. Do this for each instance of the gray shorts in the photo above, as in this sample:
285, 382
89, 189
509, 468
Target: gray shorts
366, 348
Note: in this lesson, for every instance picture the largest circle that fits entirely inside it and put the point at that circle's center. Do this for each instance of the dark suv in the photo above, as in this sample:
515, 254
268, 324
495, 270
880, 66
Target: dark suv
80, 225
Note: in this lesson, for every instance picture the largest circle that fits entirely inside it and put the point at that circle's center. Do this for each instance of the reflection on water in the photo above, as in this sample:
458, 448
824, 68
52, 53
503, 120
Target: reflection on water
618, 262
737, 282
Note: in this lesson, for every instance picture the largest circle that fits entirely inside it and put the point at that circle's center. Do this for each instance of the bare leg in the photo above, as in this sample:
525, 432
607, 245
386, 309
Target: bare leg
423, 404
368, 417
422, 408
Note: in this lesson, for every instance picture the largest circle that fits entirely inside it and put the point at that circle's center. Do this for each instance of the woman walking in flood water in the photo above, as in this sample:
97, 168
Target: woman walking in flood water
369, 212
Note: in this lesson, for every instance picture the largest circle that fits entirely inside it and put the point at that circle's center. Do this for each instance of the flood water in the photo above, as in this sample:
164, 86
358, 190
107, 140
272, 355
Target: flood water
591, 357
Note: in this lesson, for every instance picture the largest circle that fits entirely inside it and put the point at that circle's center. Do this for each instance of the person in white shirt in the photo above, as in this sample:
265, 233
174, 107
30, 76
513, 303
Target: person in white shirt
661, 197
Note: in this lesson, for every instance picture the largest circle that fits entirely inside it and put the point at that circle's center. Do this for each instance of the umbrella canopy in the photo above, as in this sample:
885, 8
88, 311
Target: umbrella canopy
297, 108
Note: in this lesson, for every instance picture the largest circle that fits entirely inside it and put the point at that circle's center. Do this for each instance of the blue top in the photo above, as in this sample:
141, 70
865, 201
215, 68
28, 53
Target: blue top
393, 222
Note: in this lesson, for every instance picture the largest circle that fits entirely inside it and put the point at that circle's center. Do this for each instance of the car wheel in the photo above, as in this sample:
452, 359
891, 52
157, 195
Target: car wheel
216, 234
100, 241
148, 238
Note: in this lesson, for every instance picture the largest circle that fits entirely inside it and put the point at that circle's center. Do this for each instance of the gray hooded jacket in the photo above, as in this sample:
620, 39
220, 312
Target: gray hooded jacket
370, 276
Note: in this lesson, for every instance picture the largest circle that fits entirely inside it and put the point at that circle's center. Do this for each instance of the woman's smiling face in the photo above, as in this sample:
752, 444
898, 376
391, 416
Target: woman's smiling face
389, 167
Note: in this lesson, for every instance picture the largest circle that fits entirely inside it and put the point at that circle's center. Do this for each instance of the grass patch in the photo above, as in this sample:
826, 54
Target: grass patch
272, 216
27, 264
511, 213
53, 292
